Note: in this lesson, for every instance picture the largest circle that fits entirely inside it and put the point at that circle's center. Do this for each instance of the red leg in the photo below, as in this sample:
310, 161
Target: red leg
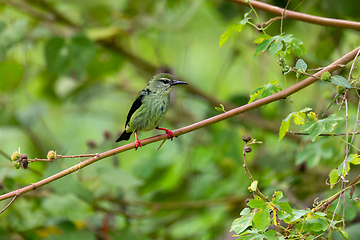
137, 142
168, 132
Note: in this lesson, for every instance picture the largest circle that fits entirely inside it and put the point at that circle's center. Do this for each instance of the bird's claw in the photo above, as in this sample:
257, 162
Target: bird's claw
170, 134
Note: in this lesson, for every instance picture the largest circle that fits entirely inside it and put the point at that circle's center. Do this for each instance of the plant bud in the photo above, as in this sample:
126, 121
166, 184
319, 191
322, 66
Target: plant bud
340, 89
16, 164
246, 138
51, 155
247, 149
325, 76
25, 164
15, 156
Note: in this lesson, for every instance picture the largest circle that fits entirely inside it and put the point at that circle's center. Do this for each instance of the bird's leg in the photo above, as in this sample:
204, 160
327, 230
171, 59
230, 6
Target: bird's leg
137, 141
168, 132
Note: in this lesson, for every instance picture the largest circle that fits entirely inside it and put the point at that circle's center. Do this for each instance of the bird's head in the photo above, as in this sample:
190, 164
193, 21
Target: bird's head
163, 82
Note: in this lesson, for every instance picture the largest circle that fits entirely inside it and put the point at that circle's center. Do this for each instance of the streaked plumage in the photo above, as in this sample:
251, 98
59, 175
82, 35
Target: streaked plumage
150, 107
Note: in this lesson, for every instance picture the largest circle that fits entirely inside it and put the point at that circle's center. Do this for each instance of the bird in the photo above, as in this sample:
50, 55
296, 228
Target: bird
149, 107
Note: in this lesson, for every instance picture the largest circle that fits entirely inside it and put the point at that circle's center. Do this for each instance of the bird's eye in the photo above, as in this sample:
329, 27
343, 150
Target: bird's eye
164, 80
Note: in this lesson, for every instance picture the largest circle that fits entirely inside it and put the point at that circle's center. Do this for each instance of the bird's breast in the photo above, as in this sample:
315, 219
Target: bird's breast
150, 113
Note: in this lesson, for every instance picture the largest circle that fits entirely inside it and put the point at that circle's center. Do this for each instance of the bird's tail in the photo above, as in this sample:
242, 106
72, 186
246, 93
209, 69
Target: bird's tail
124, 136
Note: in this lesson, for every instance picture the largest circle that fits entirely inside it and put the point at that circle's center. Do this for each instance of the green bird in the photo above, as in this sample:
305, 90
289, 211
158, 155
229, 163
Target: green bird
150, 107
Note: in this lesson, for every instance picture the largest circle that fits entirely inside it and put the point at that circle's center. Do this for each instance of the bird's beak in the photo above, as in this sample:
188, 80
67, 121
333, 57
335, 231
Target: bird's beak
176, 82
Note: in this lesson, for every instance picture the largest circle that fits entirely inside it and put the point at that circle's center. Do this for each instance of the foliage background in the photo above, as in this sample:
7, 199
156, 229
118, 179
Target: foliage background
69, 71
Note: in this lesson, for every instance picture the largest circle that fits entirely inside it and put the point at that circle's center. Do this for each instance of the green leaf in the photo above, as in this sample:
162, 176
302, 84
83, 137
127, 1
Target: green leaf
284, 128
285, 206
234, 27
275, 47
298, 118
257, 203
278, 195
271, 235
333, 177
297, 214
315, 128
253, 186
341, 81
301, 65
262, 37
262, 218
242, 223
344, 234
265, 90
262, 47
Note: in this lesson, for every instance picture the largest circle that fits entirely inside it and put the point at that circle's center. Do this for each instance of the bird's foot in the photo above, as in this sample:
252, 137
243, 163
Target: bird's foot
137, 142
168, 132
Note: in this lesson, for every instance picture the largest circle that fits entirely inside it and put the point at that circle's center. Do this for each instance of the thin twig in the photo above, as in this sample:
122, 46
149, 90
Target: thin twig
60, 156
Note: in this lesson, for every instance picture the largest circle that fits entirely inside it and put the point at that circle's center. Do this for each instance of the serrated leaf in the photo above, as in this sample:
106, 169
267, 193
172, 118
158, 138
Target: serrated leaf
301, 65
341, 81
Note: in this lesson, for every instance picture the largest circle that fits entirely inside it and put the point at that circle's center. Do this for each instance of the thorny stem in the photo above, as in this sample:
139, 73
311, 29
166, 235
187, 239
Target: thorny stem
231, 113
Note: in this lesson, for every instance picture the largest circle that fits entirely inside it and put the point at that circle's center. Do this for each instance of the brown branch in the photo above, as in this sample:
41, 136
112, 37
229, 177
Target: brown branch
256, 104
330, 22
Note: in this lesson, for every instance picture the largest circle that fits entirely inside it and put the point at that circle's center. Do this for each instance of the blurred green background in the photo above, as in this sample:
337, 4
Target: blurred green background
69, 71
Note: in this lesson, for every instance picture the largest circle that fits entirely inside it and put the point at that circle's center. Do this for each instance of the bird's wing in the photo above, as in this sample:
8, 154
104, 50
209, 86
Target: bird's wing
135, 106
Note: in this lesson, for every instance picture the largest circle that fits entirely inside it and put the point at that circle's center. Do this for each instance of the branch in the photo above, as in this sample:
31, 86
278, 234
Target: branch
330, 22
256, 104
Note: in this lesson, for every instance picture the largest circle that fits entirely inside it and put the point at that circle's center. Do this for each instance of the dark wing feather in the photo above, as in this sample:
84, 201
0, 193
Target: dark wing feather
135, 106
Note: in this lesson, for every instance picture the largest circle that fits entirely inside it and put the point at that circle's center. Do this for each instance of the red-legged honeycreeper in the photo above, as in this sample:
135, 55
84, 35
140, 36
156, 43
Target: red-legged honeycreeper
150, 107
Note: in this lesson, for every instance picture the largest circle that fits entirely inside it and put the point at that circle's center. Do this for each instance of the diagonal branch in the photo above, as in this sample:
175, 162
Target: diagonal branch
256, 104
330, 22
